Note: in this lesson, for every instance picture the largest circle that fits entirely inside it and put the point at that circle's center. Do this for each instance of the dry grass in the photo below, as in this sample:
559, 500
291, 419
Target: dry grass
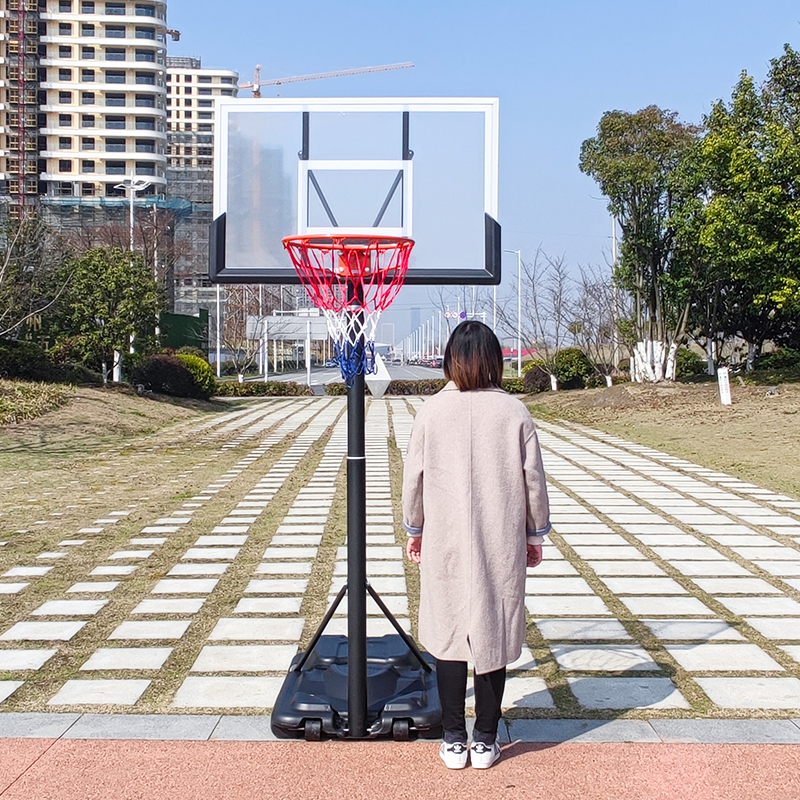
21, 400
756, 439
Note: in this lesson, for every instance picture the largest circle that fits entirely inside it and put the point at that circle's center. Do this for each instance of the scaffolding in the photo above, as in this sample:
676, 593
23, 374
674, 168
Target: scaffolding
21, 45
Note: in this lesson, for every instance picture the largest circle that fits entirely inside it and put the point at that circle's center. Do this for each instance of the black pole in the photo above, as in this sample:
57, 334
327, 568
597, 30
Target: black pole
356, 562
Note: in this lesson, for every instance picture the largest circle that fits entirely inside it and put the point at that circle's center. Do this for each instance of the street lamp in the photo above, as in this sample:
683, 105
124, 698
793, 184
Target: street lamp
519, 310
133, 185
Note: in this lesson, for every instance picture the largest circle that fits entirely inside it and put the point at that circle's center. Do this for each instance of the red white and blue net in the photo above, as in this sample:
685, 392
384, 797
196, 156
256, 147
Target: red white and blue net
351, 280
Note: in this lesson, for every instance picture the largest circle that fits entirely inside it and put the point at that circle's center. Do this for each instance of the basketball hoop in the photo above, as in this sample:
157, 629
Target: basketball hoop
351, 280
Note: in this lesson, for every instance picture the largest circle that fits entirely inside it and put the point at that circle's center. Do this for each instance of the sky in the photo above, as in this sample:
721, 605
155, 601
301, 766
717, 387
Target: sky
556, 65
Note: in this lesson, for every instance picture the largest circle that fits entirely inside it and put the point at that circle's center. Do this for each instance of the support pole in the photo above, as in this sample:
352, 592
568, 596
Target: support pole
356, 562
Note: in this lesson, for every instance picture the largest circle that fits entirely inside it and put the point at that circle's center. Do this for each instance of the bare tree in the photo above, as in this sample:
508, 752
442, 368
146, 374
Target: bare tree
547, 312
153, 238
598, 306
32, 279
457, 303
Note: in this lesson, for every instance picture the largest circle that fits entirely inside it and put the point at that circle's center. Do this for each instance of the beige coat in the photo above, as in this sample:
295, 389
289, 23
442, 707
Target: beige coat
474, 486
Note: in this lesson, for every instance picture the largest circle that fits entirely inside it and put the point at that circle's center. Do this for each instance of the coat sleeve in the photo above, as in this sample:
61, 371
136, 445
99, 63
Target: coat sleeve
413, 473
538, 507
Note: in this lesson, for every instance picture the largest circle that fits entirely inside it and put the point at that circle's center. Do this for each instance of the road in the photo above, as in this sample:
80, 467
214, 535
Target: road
323, 375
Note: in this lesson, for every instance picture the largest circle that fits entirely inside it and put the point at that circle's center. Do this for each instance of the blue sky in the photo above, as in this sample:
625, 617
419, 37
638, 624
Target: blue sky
556, 67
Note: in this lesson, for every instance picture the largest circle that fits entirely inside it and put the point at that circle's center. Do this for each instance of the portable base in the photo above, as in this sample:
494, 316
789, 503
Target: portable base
402, 698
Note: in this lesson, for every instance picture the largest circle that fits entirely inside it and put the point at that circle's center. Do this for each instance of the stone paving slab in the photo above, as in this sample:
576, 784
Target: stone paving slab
228, 692
727, 731
623, 693
42, 631
244, 658
100, 692
24, 725
583, 730
17, 660
15, 725
162, 727
756, 692
143, 658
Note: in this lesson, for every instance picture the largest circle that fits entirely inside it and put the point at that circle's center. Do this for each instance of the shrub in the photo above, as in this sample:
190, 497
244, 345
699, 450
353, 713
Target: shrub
74, 373
785, 358
572, 367
22, 359
514, 385
535, 378
262, 389
335, 389
188, 350
422, 387
26, 360
164, 374
203, 375
688, 363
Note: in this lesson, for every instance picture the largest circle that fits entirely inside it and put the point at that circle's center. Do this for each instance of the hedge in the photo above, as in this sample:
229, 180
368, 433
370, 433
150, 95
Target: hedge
262, 389
27, 361
426, 386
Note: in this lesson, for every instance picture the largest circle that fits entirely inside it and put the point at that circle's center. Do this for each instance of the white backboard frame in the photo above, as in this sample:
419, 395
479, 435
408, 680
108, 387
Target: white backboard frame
485, 273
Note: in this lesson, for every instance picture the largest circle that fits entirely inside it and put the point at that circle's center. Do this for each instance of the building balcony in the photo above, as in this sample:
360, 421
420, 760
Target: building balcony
97, 177
101, 154
99, 87
101, 131
132, 18
131, 62
100, 108
130, 39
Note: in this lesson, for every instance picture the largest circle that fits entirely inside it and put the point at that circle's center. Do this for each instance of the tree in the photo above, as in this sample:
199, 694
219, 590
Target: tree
750, 224
111, 300
153, 237
597, 307
31, 274
634, 158
547, 312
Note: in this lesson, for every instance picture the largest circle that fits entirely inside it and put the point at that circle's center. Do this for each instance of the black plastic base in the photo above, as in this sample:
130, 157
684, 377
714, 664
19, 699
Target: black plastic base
402, 698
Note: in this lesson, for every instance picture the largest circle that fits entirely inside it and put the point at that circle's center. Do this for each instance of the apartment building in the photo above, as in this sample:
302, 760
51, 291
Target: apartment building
85, 103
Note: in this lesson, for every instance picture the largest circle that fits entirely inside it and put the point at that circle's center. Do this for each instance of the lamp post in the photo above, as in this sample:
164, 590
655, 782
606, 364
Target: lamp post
519, 310
132, 185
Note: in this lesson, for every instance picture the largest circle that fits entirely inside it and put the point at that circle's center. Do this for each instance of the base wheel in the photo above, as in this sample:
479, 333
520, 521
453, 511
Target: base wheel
400, 730
312, 730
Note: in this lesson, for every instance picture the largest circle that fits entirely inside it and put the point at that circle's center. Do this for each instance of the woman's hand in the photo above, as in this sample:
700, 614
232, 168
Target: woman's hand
534, 555
414, 548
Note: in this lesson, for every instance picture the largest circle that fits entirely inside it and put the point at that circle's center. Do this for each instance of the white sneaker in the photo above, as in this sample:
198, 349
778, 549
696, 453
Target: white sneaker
454, 755
482, 756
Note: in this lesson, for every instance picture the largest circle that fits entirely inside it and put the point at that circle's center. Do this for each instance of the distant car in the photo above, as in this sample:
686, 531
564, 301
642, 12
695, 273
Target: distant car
331, 363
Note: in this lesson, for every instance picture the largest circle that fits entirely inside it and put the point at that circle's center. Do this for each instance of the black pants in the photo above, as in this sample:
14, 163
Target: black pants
452, 680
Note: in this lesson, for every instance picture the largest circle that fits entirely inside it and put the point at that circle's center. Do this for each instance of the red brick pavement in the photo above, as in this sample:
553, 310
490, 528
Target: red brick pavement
169, 770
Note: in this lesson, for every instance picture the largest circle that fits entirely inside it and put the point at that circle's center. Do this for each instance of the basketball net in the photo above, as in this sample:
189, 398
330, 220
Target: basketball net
352, 281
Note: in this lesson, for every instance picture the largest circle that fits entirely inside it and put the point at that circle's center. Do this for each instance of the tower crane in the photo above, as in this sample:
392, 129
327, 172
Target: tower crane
257, 83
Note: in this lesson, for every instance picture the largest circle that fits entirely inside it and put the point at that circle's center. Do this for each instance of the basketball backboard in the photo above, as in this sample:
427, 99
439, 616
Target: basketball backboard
422, 168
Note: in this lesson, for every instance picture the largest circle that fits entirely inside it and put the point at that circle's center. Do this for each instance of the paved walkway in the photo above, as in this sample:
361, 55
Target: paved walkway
667, 608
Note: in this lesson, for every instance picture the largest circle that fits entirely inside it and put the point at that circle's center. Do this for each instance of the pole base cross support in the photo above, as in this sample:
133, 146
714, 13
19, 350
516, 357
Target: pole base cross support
402, 696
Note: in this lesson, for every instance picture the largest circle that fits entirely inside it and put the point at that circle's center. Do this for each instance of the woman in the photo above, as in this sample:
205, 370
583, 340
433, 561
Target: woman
475, 509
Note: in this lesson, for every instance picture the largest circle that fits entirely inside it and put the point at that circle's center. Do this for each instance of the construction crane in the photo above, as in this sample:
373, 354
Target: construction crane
258, 83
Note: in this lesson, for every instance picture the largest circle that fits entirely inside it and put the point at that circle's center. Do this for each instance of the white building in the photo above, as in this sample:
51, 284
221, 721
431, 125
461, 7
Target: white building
102, 96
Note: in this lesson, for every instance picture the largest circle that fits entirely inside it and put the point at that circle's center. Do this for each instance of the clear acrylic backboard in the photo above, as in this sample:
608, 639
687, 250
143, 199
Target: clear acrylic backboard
422, 168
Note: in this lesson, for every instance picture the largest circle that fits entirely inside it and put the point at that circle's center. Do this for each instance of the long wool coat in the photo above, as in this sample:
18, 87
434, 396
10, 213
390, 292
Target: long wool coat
474, 485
